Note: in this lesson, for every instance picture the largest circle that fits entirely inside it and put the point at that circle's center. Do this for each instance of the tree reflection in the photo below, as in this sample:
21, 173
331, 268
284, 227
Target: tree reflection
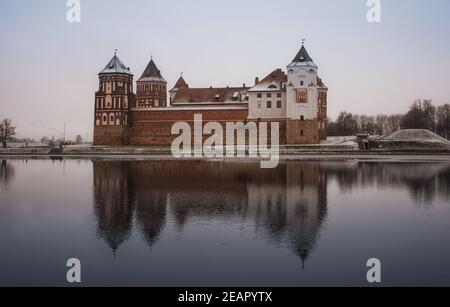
424, 181
6, 172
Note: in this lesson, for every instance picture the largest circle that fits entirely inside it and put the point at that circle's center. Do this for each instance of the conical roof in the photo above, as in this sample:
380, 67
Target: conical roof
115, 66
152, 73
302, 56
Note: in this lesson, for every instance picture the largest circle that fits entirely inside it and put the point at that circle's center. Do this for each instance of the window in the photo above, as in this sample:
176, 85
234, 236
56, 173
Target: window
269, 95
302, 132
269, 104
302, 83
302, 96
302, 117
279, 104
259, 95
278, 95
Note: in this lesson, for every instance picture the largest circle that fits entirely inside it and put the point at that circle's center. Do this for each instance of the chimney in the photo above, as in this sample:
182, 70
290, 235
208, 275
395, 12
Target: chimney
256, 81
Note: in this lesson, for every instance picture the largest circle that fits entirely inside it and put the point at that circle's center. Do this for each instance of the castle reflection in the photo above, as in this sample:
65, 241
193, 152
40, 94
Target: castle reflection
287, 204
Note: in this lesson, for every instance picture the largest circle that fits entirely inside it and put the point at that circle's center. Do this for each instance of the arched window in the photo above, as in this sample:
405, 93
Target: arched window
111, 119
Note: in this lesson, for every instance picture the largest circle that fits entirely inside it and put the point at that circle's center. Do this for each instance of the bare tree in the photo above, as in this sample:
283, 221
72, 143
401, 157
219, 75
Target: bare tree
6, 131
421, 115
346, 124
443, 120
393, 123
382, 123
79, 140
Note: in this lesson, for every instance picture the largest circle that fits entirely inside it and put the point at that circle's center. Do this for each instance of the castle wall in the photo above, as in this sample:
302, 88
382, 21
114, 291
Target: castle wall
302, 132
111, 135
154, 127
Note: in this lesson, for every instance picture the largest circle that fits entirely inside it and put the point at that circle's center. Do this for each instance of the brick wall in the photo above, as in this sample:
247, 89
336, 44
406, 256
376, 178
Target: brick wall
294, 129
111, 135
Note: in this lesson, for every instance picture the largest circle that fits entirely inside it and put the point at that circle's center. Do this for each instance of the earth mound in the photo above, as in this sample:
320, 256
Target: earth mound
416, 135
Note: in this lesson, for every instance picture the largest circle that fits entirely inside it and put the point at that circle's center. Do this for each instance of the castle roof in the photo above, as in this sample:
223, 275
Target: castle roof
273, 82
181, 84
152, 73
302, 56
210, 95
115, 66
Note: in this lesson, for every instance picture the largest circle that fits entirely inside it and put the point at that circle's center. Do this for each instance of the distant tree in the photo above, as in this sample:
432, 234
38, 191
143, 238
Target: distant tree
393, 123
443, 121
346, 124
421, 115
79, 140
382, 122
332, 128
6, 131
45, 140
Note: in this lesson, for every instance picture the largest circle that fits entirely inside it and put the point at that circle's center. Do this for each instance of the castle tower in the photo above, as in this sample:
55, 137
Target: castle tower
305, 92
151, 88
180, 84
113, 102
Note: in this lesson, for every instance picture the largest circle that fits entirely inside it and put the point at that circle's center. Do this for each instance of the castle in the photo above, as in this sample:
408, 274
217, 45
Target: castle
296, 100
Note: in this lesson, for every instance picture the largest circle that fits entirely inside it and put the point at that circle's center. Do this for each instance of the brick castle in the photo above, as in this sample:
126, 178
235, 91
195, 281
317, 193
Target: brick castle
296, 100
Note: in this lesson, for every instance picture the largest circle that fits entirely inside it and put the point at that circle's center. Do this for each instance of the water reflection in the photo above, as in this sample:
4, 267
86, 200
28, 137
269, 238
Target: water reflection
6, 172
424, 181
286, 205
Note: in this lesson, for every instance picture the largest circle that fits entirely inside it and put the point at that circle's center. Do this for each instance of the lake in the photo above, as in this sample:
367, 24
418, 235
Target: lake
192, 223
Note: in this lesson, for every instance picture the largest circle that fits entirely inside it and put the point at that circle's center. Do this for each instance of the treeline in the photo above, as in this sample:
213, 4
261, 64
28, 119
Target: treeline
421, 115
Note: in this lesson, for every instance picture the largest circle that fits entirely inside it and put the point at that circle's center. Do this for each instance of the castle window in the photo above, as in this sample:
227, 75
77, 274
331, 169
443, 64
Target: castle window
105, 119
259, 95
269, 95
111, 119
302, 132
269, 104
278, 95
302, 96
302, 117
302, 83
279, 104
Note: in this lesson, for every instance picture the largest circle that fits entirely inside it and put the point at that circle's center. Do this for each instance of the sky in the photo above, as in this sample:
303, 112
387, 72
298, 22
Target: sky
49, 67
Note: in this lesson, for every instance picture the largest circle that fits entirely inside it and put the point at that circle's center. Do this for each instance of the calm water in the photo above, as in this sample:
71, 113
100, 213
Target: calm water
224, 224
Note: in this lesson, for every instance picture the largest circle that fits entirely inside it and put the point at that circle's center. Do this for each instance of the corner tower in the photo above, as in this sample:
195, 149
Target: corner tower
151, 88
306, 101
113, 102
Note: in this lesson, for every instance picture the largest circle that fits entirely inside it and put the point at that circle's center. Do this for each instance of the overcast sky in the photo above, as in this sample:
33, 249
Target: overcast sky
49, 67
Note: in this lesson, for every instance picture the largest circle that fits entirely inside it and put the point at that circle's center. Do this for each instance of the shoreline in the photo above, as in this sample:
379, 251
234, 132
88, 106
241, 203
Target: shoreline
330, 157
286, 153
